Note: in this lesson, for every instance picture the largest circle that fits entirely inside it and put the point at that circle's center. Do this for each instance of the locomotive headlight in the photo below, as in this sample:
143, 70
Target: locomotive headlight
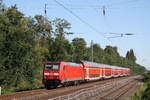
56, 73
51, 74
46, 73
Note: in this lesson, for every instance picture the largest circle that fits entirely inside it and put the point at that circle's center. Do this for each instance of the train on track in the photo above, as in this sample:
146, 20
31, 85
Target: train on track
57, 73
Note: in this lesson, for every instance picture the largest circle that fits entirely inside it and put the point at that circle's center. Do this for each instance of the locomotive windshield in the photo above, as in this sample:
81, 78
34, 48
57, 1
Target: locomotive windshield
52, 66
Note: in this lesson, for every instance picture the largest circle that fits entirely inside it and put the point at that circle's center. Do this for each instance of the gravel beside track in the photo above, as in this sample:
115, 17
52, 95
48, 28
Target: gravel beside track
108, 91
86, 91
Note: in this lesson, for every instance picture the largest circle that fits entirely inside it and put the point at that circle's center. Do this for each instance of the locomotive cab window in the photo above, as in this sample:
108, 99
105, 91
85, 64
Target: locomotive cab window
52, 66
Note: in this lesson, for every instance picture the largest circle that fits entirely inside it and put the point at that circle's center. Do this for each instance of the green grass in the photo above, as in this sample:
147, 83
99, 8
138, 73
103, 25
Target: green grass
139, 93
144, 91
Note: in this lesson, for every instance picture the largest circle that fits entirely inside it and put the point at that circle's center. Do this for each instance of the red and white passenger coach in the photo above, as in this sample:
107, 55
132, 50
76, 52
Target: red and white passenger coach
64, 73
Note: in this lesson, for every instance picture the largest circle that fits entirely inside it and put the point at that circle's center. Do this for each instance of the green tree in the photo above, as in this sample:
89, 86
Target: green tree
60, 48
42, 26
16, 44
79, 49
2, 6
98, 53
60, 27
111, 50
112, 55
130, 56
43, 32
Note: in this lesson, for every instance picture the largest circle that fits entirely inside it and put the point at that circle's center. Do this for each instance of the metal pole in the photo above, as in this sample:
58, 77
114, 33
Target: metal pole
0, 91
45, 11
92, 50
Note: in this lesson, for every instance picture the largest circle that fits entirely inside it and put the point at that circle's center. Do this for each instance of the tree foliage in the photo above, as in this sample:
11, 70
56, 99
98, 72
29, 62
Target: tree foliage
79, 49
130, 55
15, 48
2, 6
144, 90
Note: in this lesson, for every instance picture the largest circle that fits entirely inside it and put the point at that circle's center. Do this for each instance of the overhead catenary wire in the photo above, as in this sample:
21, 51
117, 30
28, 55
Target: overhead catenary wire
109, 5
83, 21
86, 23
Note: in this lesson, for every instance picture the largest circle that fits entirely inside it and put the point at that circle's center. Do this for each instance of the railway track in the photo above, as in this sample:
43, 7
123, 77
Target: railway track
116, 93
43, 94
107, 91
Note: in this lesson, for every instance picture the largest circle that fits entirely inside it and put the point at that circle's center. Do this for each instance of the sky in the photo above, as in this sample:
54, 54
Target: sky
121, 16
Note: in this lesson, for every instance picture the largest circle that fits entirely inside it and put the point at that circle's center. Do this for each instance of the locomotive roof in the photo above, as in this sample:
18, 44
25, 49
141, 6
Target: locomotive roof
73, 64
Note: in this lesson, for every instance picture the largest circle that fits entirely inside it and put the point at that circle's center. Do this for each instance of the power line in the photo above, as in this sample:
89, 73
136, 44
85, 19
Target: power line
124, 2
86, 23
79, 18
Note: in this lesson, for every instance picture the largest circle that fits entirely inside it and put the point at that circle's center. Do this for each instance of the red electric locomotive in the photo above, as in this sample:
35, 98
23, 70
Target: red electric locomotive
56, 73
65, 73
